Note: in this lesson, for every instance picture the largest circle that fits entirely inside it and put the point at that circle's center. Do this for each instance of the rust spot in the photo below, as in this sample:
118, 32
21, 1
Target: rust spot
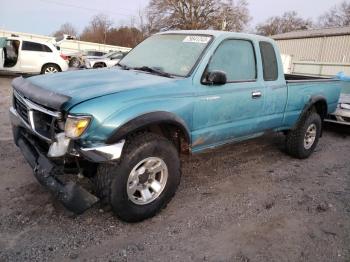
198, 142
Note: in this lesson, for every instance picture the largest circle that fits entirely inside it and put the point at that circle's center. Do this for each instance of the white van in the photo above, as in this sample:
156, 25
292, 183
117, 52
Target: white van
30, 57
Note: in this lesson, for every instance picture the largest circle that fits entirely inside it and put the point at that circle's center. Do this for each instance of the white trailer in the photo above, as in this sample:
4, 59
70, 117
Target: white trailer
68, 47
27, 36
73, 46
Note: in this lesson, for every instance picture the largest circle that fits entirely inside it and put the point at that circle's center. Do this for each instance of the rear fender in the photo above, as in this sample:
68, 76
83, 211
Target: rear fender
314, 100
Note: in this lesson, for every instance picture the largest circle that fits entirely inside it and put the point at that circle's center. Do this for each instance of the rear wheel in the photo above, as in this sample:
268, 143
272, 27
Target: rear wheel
99, 65
146, 178
50, 69
74, 62
302, 141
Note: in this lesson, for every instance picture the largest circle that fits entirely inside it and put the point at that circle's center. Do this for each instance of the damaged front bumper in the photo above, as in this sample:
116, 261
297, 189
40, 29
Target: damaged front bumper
72, 196
42, 156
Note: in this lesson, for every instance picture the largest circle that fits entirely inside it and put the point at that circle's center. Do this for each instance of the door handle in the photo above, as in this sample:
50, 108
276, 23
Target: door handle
256, 94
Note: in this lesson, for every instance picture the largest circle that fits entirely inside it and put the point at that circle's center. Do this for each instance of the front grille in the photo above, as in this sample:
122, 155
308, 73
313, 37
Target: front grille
41, 120
21, 109
43, 123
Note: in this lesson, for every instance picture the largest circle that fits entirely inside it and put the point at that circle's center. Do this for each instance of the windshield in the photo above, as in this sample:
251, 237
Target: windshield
175, 54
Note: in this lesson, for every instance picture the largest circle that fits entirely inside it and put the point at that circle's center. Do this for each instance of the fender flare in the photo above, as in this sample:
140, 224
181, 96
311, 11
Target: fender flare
312, 101
147, 119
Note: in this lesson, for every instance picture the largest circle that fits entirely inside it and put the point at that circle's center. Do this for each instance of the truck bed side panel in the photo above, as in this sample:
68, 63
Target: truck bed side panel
300, 93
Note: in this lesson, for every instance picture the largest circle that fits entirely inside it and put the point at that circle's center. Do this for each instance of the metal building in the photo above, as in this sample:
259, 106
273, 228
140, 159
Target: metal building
323, 52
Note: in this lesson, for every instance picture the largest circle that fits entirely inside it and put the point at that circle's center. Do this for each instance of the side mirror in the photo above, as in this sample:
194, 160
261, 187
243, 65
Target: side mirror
216, 78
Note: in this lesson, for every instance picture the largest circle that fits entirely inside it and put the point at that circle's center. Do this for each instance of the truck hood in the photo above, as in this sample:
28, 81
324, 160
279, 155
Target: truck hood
64, 90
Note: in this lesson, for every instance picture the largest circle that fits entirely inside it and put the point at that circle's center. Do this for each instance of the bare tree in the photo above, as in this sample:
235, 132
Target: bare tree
97, 30
125, 36
339, 15
234, 17
66, 28
197, 14
146, 22
289, 21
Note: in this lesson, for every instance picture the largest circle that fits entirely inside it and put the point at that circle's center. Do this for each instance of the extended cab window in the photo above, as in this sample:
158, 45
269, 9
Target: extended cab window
269, 61
237, 59
31, 46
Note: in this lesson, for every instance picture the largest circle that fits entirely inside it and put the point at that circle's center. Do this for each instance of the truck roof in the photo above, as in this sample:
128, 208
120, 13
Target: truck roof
217, 33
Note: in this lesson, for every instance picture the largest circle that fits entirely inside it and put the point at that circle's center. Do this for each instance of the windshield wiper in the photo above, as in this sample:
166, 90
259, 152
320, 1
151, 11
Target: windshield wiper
153, 70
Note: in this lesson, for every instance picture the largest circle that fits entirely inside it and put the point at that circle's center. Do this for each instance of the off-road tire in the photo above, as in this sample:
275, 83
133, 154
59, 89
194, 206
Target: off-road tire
112, 178
295, 138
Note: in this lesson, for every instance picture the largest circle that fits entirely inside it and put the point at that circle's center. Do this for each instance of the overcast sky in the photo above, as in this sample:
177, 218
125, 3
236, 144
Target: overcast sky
45, 16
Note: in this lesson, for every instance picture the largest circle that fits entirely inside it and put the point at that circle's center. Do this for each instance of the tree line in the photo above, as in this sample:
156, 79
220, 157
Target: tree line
227, 15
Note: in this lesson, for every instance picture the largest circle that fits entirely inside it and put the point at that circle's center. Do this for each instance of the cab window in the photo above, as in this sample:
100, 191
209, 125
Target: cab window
269, 61
237, 59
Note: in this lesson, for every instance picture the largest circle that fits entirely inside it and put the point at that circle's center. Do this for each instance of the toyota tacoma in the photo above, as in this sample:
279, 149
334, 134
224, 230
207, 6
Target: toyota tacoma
178, 92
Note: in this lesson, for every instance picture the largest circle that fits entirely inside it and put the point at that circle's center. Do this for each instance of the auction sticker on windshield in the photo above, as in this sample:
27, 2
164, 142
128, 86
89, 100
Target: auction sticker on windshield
197, 39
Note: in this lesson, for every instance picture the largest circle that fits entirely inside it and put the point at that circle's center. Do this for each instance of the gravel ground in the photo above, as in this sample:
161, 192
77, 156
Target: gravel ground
244, 202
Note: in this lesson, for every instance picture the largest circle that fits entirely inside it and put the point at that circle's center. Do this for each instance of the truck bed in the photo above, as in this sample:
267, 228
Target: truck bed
304, 78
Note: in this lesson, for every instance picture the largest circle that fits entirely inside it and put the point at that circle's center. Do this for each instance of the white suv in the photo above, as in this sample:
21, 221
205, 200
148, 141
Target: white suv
31, 57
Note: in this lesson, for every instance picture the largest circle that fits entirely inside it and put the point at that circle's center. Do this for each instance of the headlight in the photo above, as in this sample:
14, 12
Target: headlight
345, 106
76, 125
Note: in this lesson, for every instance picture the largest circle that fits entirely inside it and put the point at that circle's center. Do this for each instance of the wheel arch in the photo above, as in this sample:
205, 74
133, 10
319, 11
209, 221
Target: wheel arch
96, 65
164, 123
320, 105
46, 64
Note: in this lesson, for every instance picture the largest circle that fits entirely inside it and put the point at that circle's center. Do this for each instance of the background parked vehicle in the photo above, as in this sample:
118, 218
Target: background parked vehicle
70, 45
30, 57
108, 60
88, 54
342, 114
77, 59
75, 50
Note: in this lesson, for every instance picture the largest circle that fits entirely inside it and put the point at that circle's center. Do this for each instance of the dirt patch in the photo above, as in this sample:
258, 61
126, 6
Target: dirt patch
245, 202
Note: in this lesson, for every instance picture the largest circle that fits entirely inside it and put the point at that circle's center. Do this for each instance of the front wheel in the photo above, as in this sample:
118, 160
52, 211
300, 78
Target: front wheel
146, 178
302, 141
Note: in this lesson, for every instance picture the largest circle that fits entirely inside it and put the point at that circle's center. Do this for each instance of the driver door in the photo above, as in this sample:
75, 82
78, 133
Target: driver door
11, 61
229, 112
2, 52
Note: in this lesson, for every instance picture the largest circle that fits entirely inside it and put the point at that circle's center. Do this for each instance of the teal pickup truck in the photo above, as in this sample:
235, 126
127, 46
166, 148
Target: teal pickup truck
176, 92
